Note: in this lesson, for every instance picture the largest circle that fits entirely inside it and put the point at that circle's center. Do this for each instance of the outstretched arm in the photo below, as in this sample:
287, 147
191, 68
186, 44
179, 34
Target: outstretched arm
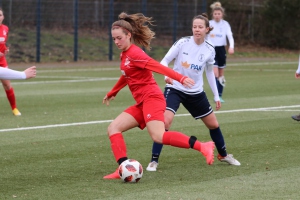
114, 91
155, 66
9, 74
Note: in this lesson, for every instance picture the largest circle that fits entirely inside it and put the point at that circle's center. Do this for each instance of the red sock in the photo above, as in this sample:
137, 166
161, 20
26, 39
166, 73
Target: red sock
11, 98
180, 140
118, 146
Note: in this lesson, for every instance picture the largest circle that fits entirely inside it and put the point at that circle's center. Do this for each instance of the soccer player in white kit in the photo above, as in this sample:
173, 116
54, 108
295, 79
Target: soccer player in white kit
297, 75
193, 55
217, 36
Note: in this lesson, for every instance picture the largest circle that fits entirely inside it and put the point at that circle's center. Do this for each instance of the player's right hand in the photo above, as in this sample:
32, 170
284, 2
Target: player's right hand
218, 105
188, 82
30, 72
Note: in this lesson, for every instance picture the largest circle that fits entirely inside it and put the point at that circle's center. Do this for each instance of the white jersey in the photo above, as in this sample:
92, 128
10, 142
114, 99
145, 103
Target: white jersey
220, 31
192, 60
9, 74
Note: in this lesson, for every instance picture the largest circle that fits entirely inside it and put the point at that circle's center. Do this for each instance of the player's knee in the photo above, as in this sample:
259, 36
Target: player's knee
168, 125
156, 138
213, 126
111, 129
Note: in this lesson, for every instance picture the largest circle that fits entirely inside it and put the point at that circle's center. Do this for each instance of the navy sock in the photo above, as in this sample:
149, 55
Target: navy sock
220, 87
156, 150
217, 137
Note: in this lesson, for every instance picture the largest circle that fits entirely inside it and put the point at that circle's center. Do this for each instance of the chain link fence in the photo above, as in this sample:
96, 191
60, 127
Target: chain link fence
49, 28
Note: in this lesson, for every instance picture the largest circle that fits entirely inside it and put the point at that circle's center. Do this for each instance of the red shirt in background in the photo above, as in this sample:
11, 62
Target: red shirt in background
3, 38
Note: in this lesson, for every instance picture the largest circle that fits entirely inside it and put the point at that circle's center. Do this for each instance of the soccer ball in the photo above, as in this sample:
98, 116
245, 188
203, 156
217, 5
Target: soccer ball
130, 171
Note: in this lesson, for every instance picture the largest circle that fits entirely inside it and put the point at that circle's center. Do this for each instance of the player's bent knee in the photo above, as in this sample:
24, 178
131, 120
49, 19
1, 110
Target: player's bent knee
112, 129
157, 138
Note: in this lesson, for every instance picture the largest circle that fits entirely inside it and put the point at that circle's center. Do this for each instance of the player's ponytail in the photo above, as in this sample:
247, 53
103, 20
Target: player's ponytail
138, 25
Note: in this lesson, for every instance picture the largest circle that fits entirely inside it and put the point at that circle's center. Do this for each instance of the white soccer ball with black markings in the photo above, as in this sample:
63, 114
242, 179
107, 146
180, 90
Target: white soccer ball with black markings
131, 171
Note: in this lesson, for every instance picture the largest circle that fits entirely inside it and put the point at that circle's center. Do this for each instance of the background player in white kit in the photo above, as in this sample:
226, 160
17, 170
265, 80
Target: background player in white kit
218, 36
193, 55
297, 75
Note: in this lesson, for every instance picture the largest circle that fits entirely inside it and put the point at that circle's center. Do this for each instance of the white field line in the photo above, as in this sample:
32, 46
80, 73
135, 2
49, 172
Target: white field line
279, 108
263, 63
66, 81
117, 68
94, 69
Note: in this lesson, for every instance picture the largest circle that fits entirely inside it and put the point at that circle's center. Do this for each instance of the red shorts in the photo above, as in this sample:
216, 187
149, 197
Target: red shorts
152, 108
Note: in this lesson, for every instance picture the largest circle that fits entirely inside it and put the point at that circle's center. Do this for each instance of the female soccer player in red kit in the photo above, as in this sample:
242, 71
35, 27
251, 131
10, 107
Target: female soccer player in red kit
136, 68
3, 51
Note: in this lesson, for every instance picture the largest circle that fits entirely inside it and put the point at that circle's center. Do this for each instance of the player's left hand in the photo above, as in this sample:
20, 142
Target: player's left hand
218, 105
231, 50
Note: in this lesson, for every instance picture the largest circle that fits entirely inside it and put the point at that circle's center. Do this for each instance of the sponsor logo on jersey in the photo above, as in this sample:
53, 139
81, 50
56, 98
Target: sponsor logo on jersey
196, 67
191, 66
4, 32
185, 64
185, 53
215, 35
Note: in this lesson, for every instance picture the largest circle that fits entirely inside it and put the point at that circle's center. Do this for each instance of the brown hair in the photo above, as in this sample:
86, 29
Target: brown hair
217, 6
204, 17
138, 25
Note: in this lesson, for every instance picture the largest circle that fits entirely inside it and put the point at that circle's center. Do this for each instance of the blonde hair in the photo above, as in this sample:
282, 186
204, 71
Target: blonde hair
138, 25
217, 6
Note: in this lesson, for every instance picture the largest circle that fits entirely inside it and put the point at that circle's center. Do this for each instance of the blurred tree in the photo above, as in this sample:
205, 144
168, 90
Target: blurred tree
281, 25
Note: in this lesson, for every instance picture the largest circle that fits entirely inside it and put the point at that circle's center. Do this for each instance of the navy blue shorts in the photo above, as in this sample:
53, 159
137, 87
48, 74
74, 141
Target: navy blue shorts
197, 104
220, 58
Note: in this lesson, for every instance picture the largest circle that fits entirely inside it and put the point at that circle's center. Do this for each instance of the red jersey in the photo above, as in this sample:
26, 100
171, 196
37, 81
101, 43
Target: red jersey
136, 67
139, 79
3, 38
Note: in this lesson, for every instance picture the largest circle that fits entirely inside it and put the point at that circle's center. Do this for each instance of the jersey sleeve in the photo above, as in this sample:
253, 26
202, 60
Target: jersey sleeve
171, 55
211, 76
212, 82
230, 36
9, 74
118, 86
155, 66
138, 57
